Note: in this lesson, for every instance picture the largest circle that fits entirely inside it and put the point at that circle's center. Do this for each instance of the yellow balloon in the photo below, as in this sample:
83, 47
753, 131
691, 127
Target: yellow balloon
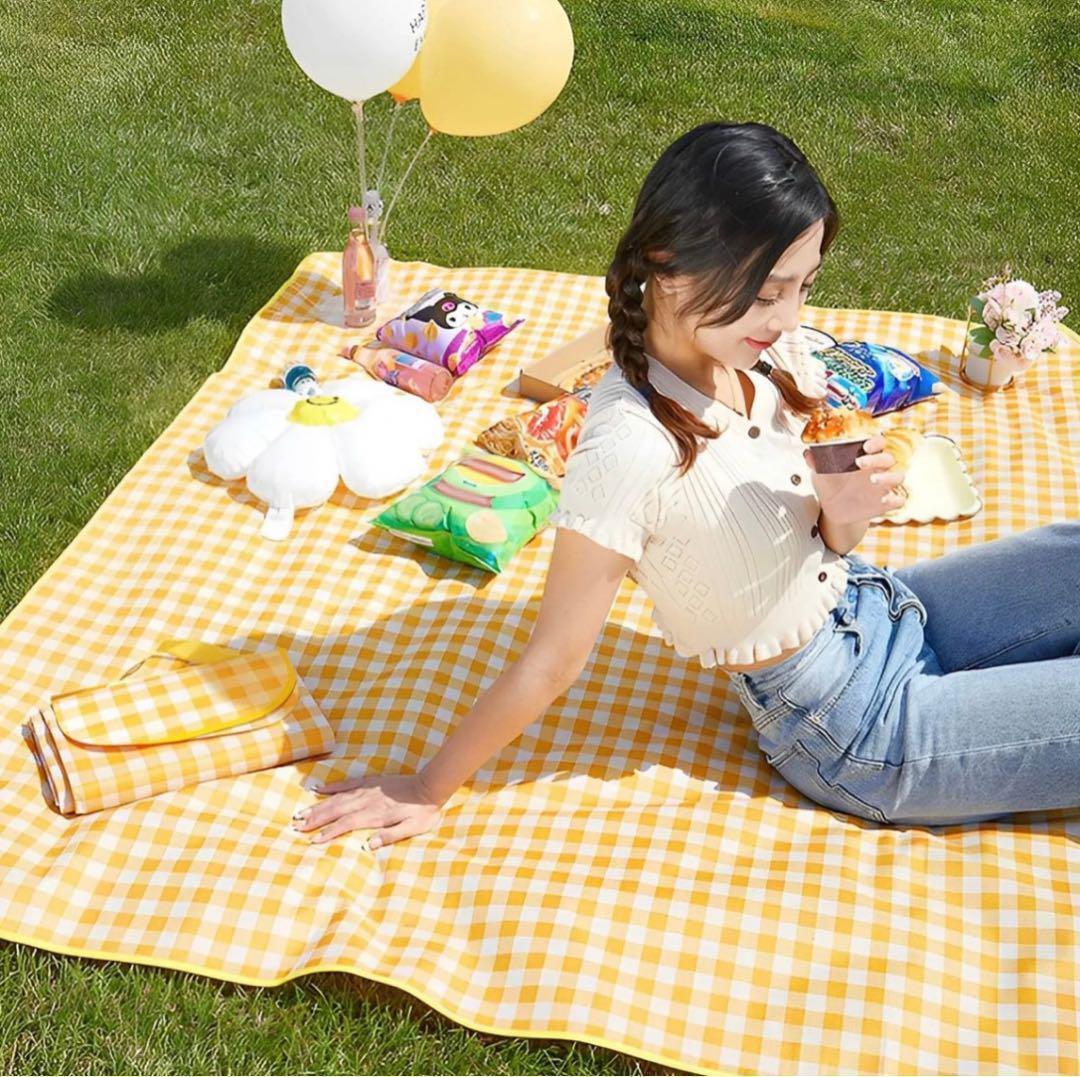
408, 86
489, 66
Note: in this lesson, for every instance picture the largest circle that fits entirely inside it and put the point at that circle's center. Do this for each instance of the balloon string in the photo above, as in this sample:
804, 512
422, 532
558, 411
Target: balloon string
361, 157
401, 183
398, 105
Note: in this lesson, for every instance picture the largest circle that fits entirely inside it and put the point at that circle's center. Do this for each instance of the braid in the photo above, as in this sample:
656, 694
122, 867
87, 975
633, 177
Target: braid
789, 388
626, 335
626, 338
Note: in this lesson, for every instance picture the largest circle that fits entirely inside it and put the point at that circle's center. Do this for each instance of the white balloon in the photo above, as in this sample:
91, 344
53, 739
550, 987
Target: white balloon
354, 48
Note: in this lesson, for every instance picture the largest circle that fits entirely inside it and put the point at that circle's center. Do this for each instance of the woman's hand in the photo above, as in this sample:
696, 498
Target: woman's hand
857, 496
396, 804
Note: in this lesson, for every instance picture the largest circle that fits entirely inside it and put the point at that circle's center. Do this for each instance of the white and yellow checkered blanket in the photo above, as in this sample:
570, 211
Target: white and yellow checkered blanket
629, 871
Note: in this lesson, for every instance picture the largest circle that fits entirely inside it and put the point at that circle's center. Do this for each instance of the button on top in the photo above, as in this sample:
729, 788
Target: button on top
796, 479
754, 431
822, 576
813, 531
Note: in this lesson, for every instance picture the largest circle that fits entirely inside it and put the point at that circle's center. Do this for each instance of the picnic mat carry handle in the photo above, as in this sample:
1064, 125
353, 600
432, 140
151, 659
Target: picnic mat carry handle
184, 650
215, 690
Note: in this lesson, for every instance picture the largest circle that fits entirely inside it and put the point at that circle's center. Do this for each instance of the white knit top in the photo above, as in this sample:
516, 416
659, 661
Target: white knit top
729, 554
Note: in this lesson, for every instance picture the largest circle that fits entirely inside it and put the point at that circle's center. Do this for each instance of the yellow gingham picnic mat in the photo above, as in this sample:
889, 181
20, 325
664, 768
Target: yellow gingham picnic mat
629, 871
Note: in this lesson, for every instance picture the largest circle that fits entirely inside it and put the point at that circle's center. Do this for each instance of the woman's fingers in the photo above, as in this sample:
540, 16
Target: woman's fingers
327, 811
878, 461
893, 493
407, 828
350, 820
887, 479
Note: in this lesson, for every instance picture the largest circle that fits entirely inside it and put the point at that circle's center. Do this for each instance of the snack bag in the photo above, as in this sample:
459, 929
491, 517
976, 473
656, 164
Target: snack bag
543, 437
874, 377
443, 328
480, 511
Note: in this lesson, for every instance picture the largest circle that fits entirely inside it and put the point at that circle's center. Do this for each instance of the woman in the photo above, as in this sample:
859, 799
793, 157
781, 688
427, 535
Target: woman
940, 693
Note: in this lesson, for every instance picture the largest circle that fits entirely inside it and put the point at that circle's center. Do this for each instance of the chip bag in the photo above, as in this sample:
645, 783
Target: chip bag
443, 328
480, 511
543, 437
874, 377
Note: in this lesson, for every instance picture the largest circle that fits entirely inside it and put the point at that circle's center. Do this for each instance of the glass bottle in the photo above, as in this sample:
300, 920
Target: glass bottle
358, 272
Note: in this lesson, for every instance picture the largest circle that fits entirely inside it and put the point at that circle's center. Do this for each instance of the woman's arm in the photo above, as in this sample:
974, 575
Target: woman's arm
850, 500
841, 538
582, 581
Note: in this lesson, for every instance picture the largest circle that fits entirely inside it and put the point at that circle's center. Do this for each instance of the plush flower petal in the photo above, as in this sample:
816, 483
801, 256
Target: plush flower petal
237, 440
360, 390
299, 468
410, 414
377, 457
277, 401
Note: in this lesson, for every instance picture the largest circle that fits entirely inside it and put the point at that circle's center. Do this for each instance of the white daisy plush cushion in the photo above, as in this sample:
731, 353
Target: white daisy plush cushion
293, 449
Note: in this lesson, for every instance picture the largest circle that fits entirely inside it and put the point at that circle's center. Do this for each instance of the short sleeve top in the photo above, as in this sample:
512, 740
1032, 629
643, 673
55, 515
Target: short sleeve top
730, 553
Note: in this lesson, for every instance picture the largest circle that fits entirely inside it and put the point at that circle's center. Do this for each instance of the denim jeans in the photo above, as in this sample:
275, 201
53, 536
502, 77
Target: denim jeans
947, 691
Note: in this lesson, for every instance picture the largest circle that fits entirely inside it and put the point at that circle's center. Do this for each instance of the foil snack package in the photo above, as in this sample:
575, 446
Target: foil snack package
543, 437
480, 510
443, 328
875, 377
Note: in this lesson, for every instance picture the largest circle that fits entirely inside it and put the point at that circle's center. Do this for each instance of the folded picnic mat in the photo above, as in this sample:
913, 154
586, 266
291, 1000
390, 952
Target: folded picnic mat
629, 871
185, 714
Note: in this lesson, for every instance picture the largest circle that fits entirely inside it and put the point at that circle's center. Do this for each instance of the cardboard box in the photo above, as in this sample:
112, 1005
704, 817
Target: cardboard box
553, 375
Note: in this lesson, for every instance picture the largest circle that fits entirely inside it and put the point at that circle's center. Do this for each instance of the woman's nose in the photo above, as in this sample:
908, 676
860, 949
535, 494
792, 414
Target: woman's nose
785, 315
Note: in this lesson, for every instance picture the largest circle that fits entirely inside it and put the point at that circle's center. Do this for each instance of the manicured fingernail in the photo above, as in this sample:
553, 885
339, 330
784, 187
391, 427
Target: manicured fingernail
301, 813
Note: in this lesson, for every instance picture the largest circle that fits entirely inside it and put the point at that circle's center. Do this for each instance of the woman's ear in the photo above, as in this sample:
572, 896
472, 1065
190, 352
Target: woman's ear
672, 286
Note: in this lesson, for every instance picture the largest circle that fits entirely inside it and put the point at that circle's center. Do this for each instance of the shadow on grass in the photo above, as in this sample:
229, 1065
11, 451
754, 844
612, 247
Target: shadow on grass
224, 279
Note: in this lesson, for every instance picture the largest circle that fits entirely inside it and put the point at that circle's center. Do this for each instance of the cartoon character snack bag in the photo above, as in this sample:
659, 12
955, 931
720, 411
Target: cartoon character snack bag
481, 511
446, 329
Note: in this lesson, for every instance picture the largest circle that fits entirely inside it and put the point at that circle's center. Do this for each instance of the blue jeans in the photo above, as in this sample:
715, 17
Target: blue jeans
944, 692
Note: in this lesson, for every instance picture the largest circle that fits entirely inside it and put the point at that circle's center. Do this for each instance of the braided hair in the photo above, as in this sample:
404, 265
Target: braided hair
721, 206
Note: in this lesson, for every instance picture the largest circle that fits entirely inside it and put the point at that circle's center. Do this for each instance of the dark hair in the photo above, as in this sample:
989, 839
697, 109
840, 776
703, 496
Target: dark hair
721, 205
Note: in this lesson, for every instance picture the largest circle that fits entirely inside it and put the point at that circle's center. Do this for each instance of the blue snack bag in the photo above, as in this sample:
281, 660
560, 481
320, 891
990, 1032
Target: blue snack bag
875, 377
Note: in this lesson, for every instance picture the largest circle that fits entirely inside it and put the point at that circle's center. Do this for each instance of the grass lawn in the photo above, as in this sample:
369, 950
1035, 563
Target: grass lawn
166, 166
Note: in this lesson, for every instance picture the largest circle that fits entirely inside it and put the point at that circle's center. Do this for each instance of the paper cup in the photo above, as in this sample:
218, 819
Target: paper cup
834, 457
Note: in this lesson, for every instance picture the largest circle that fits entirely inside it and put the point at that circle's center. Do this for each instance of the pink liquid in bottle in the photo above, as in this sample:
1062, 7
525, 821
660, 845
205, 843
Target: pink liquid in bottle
358, 273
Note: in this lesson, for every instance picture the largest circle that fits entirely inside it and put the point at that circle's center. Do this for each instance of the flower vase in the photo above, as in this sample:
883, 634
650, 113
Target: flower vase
978, 365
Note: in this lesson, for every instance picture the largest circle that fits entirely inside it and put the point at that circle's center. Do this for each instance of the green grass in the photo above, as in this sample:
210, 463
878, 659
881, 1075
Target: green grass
165, 166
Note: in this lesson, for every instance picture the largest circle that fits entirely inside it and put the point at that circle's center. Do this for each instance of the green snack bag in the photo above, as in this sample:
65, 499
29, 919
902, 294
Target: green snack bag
480, 510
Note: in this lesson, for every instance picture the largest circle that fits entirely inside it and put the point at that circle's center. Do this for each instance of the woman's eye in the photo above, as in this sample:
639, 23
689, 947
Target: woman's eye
806, 288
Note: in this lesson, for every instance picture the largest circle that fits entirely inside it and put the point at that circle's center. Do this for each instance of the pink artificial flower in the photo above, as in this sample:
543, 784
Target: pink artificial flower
1045, 332
1031, 348
1021, 304
1002, 352
992, 314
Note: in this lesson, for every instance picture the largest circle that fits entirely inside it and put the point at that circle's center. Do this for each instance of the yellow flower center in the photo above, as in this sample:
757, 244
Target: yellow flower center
322, 411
